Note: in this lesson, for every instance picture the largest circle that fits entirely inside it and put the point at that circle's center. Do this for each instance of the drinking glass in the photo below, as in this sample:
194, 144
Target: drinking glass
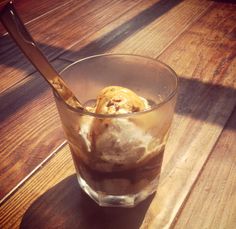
118, 157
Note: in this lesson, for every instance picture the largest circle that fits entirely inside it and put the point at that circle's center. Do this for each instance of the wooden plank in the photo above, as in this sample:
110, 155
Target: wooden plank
29, 128
211, 203
137, 33
154, 38
215, 26
197, 54
43, 180
103, 39
202, 110
70, 24
206, 68
30, 10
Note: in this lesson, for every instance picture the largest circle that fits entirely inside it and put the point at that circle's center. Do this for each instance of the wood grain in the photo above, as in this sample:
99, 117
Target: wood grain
52, 199
55, 191
29, 128
69, 25
211, 203
207, 70
17, 115
56, 187
136, 33
155, 37
103, 39
44, 180
27, 138
30, 10
208, 108
205, 61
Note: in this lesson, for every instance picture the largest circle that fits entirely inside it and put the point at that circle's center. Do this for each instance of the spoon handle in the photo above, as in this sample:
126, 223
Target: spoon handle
24, 40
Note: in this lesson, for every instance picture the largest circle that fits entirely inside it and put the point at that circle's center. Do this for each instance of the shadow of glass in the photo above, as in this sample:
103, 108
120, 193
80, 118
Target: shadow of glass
205, 101
67, 206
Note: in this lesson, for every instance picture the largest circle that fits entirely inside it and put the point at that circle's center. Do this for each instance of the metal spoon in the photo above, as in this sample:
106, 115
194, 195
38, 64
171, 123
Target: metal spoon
23, 39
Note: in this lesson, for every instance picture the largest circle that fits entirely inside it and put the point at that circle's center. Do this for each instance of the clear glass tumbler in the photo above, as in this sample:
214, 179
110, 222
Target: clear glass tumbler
118, 157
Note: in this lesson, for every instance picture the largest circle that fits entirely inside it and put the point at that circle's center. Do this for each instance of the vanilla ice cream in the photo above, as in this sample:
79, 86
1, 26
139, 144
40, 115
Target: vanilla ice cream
117, 141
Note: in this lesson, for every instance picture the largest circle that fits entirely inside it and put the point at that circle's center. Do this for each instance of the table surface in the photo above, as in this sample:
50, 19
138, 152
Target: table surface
38, 187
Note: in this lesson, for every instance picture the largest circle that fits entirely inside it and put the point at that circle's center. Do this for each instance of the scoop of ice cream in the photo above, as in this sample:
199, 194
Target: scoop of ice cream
119, 100
118, 141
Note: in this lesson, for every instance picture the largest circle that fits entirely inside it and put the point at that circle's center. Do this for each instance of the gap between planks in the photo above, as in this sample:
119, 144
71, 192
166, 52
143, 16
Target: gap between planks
35, 170
191, 209
185, 28
38, 17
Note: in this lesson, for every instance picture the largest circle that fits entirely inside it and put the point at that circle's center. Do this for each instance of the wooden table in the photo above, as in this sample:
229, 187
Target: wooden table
38, 187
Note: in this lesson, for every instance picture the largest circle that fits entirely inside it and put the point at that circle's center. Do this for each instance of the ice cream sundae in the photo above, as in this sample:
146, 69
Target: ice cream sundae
117, 139
118, 155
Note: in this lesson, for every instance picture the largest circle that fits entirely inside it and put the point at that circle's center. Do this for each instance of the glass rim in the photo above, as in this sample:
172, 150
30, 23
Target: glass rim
153, 107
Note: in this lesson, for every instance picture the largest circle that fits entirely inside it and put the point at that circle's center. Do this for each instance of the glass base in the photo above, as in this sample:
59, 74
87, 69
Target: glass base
105, 200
